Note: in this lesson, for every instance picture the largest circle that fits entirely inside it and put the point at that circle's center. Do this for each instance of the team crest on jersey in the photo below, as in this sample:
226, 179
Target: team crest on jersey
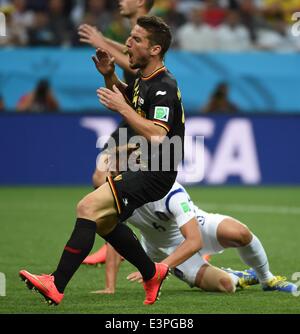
161, 113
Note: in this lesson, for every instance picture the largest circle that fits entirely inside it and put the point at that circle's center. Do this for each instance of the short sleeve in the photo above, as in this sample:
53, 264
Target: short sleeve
179, 206
161, 109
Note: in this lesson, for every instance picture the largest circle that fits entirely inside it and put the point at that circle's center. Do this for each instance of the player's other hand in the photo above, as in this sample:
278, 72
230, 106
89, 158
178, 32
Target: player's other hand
136, 276
91, 35
104, 62
112, 99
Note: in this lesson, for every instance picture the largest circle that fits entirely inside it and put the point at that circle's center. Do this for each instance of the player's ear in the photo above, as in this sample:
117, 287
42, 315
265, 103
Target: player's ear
141, 3
155, 50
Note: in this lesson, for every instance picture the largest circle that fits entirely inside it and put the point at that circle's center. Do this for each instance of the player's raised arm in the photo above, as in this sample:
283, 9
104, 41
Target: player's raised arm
105, 64
92, 36
95, 38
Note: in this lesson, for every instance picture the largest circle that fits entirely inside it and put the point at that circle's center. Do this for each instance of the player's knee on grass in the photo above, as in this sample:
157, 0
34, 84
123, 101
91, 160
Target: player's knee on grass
226, 284
213, 279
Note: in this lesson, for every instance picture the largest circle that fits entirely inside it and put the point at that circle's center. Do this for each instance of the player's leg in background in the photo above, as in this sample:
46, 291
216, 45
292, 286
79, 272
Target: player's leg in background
99, 177
232, 233
101, 171
196, 272
213, 279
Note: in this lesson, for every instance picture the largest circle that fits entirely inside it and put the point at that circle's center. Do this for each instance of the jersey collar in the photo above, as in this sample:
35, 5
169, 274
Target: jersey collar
154, 74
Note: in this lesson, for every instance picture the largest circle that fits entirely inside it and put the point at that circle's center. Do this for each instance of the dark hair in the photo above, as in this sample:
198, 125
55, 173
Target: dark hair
220, 90
149, 4
42, 89
159, 32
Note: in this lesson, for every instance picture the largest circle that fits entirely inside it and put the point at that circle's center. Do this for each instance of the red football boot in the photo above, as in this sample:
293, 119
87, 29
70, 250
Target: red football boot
44, 284
153, 285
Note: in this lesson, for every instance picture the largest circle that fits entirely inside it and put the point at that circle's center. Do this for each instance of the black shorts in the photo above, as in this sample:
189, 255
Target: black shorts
131, 190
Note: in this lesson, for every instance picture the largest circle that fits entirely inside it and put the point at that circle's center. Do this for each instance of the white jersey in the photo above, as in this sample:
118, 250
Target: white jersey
160, 221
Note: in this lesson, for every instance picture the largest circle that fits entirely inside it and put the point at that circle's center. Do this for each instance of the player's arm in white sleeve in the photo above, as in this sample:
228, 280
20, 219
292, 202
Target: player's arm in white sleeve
186, 220
112, 264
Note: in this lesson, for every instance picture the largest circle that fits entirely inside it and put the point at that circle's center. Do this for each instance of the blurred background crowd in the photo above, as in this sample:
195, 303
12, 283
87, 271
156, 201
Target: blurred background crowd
198, 25
243, 51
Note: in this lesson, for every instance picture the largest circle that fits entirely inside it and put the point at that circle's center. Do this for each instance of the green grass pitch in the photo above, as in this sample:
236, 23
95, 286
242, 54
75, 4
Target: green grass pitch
35, 223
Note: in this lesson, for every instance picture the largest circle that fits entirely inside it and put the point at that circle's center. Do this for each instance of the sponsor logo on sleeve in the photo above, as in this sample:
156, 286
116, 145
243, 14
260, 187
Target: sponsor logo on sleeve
161, 113
185, 207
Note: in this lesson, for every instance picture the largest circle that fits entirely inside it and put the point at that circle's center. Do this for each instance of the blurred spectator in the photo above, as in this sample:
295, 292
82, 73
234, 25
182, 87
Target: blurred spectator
60, 25
40, 34
39, 100
280, 9
2, 106
51, 28
54, 22
232, 36
15, 33
251, 15
37, 5
213, 13
96, 14
277, 39
219, 101
196, 35
119, 29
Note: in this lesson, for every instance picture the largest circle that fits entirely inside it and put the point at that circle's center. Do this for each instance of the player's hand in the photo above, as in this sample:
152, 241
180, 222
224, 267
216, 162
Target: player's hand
106, 291
136, 276
91, 35
104, 62
113, 100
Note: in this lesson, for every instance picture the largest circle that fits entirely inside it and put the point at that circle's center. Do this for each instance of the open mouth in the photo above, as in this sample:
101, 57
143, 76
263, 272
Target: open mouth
130, 56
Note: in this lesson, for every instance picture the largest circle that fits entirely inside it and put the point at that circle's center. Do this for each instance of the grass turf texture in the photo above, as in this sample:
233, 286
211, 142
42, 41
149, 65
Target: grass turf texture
37, 222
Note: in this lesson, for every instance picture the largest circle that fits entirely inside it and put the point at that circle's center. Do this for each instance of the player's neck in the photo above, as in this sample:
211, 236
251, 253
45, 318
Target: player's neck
151, 68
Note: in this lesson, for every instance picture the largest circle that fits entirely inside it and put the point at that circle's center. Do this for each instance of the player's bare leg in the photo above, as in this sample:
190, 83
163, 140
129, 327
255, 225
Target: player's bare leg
232, 233
121, 237
213, 279
101, 171
96, 212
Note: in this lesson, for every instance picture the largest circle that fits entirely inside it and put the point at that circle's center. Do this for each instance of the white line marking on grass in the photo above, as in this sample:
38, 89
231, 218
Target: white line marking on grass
251, 208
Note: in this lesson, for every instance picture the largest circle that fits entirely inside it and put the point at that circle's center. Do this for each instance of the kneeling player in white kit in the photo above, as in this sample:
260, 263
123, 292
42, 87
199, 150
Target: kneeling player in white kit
167, 232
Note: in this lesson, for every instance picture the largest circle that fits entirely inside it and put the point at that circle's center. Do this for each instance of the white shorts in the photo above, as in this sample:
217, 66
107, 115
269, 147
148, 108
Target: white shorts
187, 271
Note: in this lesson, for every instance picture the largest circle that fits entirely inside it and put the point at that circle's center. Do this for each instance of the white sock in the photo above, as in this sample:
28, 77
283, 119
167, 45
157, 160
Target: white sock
234, 278
255, 256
